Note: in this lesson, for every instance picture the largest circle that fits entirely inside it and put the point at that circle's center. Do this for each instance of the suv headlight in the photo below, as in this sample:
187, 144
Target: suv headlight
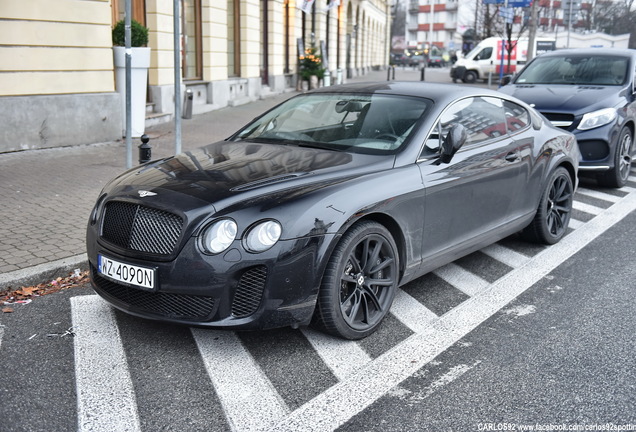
263, 236
218, 236
597, 118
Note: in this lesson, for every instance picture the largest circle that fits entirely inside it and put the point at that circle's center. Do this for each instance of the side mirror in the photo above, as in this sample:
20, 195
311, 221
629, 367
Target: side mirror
506, 79
453, 141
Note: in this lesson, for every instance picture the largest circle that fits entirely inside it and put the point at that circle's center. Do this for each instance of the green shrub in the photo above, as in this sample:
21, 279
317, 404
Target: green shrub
138, 34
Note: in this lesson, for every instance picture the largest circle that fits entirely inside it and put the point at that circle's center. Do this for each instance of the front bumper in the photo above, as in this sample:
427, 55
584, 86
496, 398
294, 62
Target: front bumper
235, 289
597, 147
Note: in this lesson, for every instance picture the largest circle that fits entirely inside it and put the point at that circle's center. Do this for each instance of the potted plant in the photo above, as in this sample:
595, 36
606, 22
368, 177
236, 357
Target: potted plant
139, 62
311, 66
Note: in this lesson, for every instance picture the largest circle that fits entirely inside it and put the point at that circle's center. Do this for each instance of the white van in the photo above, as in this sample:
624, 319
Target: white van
485, 59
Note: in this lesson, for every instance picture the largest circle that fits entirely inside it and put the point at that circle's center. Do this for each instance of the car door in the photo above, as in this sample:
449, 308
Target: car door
476, 192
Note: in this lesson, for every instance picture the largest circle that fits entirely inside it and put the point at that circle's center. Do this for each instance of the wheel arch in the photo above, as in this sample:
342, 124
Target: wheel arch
394, 229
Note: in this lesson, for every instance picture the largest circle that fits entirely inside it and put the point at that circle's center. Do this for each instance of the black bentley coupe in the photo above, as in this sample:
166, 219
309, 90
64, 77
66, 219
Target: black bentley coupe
318, 210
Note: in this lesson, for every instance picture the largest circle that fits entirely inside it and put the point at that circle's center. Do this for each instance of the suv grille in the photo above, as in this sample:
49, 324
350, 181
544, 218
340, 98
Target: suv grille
177, 306
563, 121
138, 228
249, 292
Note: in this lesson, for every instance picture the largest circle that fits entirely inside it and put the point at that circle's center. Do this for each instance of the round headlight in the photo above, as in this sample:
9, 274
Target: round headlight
263, 236
219, 236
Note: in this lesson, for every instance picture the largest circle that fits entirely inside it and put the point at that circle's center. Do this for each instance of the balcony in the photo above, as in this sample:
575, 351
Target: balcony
451, 5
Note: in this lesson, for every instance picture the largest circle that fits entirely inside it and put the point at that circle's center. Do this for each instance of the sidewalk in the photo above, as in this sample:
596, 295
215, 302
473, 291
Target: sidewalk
46, 195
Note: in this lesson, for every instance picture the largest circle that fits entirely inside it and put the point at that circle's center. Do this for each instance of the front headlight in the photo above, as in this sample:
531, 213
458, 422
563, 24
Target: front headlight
597, 118
218, 236
263, 236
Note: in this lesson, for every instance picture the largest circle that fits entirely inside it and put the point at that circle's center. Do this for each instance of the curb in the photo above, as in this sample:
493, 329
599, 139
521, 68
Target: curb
42, 272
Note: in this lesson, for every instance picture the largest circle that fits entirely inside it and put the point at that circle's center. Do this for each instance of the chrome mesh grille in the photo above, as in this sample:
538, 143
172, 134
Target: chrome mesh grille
249, 292
144, 229
170, 305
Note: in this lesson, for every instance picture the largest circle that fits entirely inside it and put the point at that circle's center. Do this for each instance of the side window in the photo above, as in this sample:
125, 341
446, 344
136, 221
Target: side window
483, 118
484, 54
517, 117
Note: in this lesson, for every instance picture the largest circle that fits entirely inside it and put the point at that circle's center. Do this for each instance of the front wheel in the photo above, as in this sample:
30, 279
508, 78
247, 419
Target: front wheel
470, 77
551, 220
359, 283
617, 176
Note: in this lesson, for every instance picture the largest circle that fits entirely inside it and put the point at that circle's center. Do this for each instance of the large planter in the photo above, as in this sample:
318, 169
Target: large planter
140, 62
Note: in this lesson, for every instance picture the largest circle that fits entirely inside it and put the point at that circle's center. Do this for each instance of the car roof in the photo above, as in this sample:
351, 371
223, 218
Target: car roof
609, 52
435, 91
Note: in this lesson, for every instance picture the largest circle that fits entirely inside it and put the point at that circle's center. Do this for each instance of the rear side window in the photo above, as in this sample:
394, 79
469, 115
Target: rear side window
517, 117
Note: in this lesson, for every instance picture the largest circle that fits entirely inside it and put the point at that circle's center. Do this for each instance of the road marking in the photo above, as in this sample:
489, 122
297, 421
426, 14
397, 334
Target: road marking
341, 402
575, 223
250, 401
506, 255
342, 357
461, 279
593, 210
411, 312
599, 195
105, 394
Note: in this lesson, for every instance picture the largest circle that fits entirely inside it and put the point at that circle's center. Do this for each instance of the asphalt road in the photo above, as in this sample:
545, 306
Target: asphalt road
513, 335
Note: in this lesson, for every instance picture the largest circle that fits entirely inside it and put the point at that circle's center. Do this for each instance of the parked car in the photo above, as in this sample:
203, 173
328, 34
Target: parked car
322, 207
417, 61
591, 93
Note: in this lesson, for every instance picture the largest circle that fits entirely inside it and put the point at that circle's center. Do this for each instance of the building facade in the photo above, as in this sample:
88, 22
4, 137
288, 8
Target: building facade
443, 23
57, 85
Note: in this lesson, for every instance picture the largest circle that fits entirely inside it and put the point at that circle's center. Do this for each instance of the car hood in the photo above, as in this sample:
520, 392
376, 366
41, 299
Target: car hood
572, 99
243, 169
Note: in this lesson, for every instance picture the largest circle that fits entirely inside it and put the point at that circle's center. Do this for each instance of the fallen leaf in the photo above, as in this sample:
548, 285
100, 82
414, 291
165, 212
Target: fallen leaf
7, 309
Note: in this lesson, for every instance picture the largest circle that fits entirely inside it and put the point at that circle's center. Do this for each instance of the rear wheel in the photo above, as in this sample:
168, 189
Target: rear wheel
360, 282
617, 176
551, 221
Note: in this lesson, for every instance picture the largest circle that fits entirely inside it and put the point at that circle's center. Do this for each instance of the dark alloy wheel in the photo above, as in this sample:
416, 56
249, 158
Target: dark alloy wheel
551, 221
617, 176
360, 282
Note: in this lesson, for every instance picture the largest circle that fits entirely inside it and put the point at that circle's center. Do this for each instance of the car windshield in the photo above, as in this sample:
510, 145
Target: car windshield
575, 69
372, 124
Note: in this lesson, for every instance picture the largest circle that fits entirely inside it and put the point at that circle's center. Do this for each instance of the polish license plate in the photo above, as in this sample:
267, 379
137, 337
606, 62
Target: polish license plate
143, 277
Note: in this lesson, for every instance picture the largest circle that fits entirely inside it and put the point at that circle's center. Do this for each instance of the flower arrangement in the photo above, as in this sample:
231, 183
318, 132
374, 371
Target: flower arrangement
311, 64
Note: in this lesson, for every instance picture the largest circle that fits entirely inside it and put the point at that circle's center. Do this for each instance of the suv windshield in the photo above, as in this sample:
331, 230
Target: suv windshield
373, 124
575, 69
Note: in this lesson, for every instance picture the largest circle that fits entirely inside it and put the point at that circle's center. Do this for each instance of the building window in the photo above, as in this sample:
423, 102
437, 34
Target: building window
233, 38
191, 54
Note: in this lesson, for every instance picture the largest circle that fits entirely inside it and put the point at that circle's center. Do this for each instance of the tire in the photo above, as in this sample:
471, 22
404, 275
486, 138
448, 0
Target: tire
551, 220
356, 293
470, 77
617, 176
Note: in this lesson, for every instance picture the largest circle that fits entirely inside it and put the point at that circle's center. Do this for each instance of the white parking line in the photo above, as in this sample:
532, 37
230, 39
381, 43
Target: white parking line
575, 223
338, 404
250, 401
593, 210
506, 255
342, 357
598, 194
411, 312
105, 394
461, 279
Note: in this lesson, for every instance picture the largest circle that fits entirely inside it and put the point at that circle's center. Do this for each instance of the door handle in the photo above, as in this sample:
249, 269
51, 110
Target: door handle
512, 156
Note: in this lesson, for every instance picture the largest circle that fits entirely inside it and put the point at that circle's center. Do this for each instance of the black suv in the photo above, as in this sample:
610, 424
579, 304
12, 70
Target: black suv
591, 93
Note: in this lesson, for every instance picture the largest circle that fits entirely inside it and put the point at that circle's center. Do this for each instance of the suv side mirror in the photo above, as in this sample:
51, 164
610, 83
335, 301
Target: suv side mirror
453, 141
506, 79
